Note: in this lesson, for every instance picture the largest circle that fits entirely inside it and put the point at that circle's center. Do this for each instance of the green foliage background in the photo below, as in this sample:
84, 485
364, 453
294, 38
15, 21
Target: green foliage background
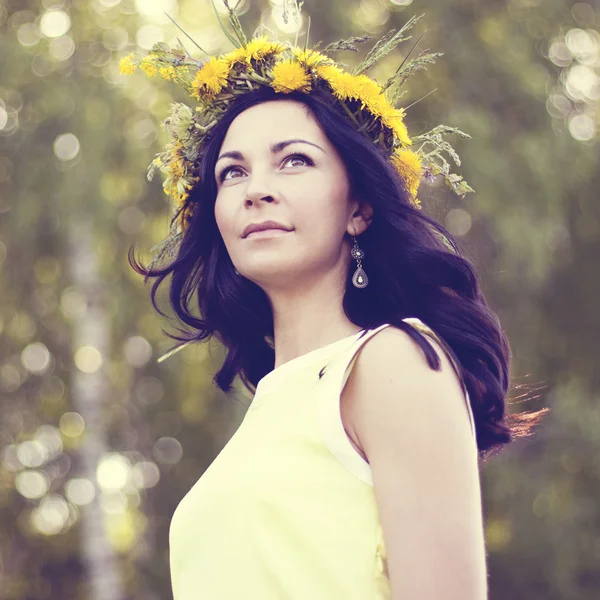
99, 442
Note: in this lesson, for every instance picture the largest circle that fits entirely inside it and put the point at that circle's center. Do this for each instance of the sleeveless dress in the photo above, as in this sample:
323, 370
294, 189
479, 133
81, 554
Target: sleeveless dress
287, 510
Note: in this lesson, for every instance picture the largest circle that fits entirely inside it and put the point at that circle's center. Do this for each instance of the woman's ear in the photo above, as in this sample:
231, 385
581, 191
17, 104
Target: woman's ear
361, 218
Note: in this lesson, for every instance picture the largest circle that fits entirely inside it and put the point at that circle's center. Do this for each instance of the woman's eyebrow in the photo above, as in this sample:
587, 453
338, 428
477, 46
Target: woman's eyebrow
278, 147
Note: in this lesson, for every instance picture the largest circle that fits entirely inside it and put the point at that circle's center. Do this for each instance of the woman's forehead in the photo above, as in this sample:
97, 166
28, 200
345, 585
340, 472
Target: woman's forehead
281, 119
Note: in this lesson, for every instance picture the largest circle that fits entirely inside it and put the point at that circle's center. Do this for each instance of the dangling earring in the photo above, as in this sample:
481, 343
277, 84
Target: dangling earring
359, 279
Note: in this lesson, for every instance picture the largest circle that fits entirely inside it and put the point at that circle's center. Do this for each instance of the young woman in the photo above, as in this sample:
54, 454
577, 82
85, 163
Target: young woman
379, 371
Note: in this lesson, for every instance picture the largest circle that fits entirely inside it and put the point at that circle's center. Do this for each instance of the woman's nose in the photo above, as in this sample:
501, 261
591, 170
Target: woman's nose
260, 185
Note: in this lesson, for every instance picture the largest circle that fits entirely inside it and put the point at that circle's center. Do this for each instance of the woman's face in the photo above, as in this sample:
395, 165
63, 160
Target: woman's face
276, 164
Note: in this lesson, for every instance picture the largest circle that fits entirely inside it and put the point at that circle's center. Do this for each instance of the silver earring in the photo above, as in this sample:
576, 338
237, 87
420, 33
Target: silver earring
236, 271
359, 279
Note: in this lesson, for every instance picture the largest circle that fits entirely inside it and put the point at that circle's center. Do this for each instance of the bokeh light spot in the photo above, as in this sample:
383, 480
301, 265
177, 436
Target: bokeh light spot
28, 34
10, 378
9, 120
113, 502
32, 484
49, 436
560, 54
113, 471
582, 44
582, 83
72, 424
32, 453
137, 351
115, 38
294, 21
73, 303
10, 459
61, 48
88, 359
145, 474
55, 23
155, 10
47, 269
149, 391
498, 533
458, 222
148, 35
80, 490
36, 358
66, 146
167, 450
582, 127
51, 515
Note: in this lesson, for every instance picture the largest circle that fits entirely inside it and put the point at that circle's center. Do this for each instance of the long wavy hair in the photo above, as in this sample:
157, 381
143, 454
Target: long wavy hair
414, 265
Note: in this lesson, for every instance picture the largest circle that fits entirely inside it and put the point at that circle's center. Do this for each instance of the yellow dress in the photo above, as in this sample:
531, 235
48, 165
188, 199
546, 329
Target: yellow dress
286, 511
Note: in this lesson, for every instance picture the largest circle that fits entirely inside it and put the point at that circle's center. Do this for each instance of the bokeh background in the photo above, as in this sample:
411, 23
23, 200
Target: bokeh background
99, 441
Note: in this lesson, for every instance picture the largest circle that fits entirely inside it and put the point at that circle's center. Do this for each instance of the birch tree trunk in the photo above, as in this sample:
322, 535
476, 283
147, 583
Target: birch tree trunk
91, 329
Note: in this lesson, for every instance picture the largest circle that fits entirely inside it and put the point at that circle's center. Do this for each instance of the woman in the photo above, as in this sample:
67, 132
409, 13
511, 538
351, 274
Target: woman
378, 383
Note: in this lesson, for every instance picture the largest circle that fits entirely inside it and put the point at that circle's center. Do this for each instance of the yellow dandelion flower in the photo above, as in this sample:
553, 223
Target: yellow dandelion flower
211, 78
390, 113
256, 49
289, 76
329, 73
126, 65
346, 86
168, 73
311, 58
393, 119
376, 104
369, 87
261, 47
400, 132
235, 56
147, 65
408, 164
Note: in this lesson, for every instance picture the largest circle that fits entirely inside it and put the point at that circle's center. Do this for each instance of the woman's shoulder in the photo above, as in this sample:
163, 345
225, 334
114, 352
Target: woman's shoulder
389, 337
395, 343
391, 381
393, 364
392, 353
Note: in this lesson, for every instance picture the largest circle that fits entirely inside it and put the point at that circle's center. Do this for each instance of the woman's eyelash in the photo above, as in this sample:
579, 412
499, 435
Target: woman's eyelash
304, 157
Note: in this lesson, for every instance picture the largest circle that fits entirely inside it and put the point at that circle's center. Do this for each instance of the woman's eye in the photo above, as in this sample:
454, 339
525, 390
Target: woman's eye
301, 157
224, 175
227, 171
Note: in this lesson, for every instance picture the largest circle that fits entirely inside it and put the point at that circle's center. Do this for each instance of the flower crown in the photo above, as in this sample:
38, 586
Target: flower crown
215, 83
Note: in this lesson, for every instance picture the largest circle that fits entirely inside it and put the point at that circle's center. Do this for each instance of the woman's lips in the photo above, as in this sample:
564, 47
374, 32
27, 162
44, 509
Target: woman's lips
267, 233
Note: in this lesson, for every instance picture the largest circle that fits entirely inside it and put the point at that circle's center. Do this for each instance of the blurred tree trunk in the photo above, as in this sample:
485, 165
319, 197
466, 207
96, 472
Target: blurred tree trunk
89, 398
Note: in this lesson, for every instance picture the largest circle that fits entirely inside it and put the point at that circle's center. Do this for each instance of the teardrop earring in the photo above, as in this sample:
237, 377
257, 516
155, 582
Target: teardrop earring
359, 279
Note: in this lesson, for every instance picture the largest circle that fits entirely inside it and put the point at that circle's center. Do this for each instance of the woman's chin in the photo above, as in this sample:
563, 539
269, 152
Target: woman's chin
273, 274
